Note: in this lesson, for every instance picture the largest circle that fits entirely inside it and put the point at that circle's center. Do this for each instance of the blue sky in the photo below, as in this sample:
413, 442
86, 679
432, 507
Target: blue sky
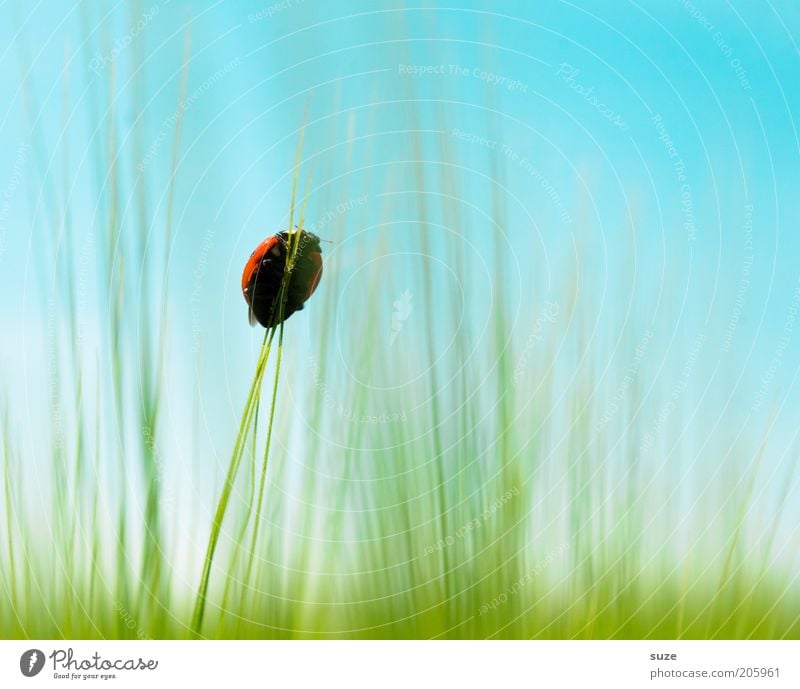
633, 140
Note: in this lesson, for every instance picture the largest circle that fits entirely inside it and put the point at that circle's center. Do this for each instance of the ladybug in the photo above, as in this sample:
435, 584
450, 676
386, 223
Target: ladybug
264, 271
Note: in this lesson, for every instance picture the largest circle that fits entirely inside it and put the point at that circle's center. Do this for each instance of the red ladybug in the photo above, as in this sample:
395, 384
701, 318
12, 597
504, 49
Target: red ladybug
263, 273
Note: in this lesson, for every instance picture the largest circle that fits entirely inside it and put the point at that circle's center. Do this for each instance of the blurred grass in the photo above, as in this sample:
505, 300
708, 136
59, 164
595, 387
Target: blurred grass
492, 503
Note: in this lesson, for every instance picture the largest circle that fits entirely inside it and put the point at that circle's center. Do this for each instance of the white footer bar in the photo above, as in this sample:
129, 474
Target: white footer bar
401, 664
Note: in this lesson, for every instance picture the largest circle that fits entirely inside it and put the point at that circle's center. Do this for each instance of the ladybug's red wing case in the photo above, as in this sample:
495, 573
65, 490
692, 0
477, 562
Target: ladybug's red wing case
253, 262
251, 269
263, 274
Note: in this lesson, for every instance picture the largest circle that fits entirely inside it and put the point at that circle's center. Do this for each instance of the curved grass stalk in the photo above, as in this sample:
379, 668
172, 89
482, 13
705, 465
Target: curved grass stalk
245, 524
294, 242
250, 406
254, 539
233, 468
